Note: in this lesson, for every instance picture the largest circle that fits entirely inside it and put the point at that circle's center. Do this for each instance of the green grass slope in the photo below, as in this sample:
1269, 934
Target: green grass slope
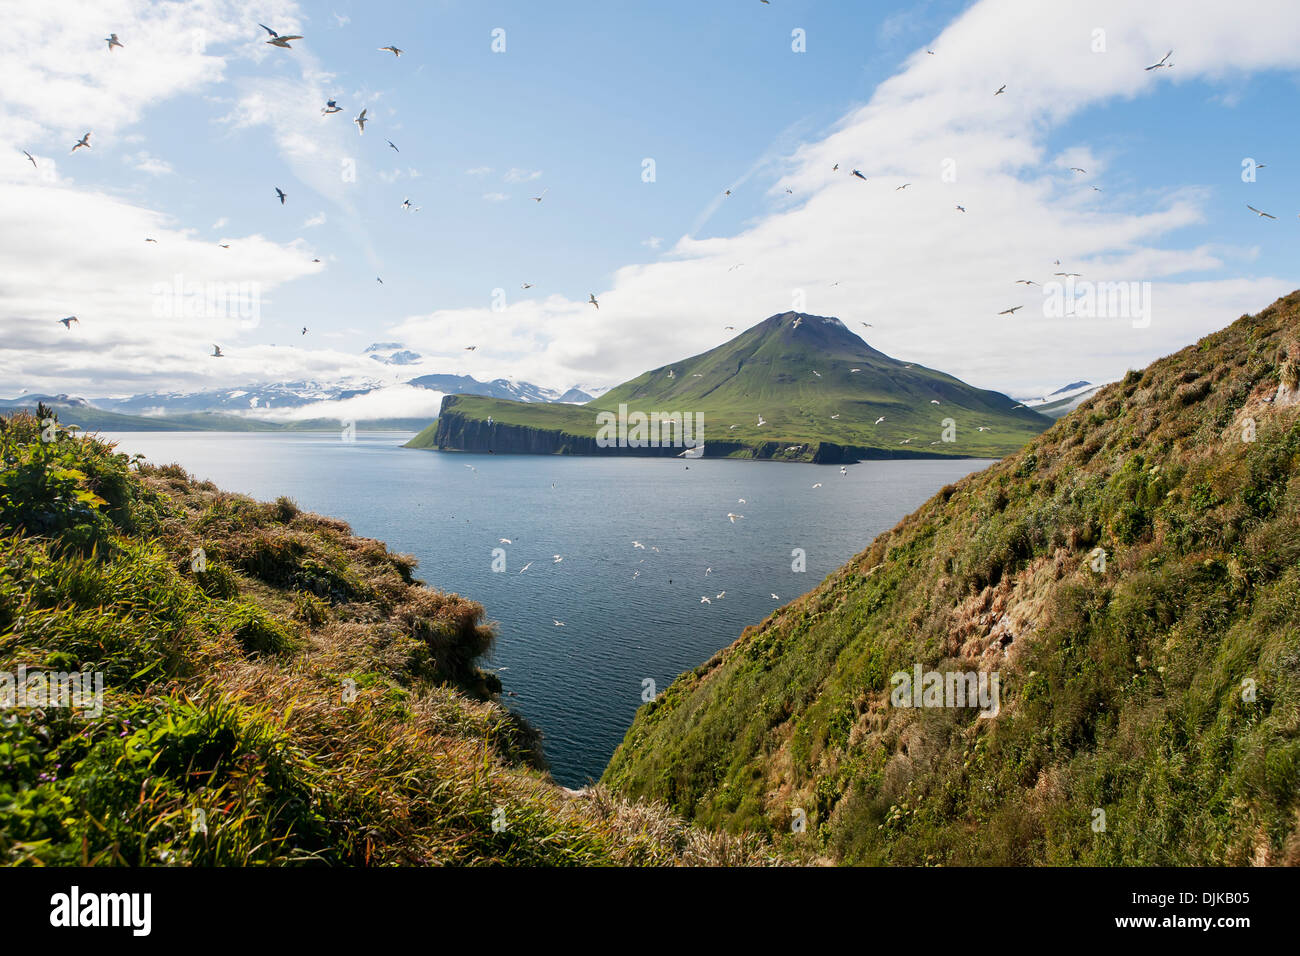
1161, 689
298, 698
796, 371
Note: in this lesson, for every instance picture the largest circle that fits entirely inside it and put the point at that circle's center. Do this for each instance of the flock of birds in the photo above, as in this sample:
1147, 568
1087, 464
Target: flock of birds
284, 41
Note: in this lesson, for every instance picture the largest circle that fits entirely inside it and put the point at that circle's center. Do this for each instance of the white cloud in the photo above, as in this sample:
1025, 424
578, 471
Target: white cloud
316, 220
395, 401
929, 278
522, 175
495, 197
145, 163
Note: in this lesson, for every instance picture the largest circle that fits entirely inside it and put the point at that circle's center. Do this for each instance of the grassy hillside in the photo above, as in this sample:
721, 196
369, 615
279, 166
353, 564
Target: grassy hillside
1161, 688
296, 697
811, 380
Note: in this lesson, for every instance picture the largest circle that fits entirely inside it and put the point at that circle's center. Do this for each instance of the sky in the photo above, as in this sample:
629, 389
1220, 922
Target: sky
632, 123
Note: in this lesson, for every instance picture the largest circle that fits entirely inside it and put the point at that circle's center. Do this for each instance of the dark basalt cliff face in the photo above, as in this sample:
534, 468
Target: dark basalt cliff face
458, 432
455, 431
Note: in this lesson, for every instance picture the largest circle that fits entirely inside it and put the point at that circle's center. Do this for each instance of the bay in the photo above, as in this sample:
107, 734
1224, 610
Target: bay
629, 614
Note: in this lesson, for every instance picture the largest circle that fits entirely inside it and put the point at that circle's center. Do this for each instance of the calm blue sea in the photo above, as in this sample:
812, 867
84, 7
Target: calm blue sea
628, 613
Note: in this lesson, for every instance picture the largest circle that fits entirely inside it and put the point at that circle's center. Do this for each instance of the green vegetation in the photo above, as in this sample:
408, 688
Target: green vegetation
276, 690
1162, 688
796, 378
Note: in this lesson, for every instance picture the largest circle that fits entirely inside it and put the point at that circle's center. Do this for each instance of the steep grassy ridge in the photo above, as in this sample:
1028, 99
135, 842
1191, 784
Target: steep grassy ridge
276, 690
1161, 689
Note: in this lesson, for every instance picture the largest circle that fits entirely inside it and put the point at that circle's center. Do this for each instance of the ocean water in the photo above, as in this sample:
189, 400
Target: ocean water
629, 614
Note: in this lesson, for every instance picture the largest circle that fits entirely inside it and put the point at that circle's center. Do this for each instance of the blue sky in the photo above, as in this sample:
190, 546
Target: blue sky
190, 141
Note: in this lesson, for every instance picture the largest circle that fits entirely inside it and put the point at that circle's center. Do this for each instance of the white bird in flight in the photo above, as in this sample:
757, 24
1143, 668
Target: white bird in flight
879, 420
1248, 206
390, 49
113, 41
733, 517
591, 298
84, 141
761, 423
525, 567
1163, 59
361, 123
277, 40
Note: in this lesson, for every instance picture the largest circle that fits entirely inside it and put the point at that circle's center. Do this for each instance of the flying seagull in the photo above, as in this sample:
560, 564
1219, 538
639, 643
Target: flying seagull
733, 517
84, 141
961, 208
67, 323
1001, 89
591, 297
1163, 59
761, 423
281, 193
331, 107
1011, 311
1076, 169
527, 285
1026, 282
879, 420
361, 123
1259, 213
113, 41
32, 158
390, 49
858, 173
216, 351
904, 186
558, 623
277, 40
408, 205
390, 143
544, 192
304, 330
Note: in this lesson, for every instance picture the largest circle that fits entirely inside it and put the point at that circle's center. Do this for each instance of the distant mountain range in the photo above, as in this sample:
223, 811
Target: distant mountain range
244, 408
794, 387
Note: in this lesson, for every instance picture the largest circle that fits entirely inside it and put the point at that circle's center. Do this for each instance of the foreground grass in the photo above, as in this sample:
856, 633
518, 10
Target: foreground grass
1150, 706
277, 691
